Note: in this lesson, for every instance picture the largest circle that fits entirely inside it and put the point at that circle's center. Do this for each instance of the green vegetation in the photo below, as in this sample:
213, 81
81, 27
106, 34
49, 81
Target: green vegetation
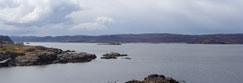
22, 50
21, 55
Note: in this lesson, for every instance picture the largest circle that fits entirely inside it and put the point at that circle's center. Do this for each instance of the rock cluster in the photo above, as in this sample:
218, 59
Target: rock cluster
43, 57
74, 57
112, 55
155, 78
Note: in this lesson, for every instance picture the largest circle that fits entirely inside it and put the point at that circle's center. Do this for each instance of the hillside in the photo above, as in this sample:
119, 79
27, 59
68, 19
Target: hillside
134, 38
5, 39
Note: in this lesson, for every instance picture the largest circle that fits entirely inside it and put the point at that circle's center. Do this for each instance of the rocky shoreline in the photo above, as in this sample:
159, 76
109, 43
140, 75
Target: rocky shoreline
38, 55
54, 58
155, 78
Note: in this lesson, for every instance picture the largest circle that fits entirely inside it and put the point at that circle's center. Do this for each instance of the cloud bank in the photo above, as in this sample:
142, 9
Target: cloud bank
99, 23
76, 17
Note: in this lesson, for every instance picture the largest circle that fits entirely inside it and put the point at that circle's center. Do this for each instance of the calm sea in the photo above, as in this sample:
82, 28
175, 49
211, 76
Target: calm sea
194, 63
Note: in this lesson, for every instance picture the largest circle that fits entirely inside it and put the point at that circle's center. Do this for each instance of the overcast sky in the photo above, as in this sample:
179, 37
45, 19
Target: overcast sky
99, 17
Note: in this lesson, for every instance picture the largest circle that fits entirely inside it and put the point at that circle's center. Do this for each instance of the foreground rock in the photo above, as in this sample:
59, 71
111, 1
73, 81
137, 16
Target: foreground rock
15, 55
112, 55
155, 78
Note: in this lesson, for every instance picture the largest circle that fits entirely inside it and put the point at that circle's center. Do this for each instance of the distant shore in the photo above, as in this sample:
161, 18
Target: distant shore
137, 38
146, 43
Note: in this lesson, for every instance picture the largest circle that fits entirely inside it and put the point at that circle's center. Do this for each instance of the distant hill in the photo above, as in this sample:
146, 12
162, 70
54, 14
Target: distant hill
5, 39
135, 38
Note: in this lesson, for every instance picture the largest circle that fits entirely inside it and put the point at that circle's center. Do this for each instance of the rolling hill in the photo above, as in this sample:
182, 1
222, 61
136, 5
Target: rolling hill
135, 38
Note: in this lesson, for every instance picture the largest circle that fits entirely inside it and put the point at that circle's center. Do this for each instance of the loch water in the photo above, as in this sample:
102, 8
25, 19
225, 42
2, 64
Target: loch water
193, 63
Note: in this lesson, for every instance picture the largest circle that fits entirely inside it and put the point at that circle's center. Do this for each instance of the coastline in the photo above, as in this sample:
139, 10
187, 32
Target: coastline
135, 43
20, 55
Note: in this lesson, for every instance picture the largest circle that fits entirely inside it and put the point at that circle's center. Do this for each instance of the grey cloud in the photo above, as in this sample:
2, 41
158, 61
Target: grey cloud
165, 16
56, 14
8, 4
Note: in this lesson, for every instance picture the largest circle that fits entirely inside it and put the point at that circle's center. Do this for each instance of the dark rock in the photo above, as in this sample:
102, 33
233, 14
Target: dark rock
55, 50
5, 63
134, 81
171, 80
153, 75
155, 78
46, 59
3, 57
127, 58
109, 57
75, 57
69, 51
112, 55
11, 55
27, 60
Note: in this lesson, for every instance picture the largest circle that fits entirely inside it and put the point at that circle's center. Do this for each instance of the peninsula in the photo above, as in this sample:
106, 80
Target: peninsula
20, 55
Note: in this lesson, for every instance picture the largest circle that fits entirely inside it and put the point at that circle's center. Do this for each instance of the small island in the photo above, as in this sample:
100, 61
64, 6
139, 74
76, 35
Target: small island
155, 78
113, 55
20, 55
110, 43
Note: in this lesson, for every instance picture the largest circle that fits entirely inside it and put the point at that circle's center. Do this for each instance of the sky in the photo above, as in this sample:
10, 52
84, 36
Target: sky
102, 17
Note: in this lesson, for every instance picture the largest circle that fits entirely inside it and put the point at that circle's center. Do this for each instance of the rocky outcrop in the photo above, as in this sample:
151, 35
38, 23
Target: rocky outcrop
155, 78
14, 55
112, 55
74, 57
45, 59
5, 63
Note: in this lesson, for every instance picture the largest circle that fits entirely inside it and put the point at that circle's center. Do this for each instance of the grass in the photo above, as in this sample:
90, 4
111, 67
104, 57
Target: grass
27, 50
